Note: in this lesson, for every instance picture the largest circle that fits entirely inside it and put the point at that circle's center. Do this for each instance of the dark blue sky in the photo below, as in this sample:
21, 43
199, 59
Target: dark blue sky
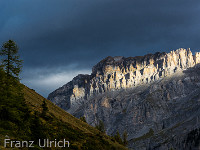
59, 39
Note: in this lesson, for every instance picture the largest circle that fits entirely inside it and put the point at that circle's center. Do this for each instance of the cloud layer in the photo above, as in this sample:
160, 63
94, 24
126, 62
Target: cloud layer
56, 34
43, 82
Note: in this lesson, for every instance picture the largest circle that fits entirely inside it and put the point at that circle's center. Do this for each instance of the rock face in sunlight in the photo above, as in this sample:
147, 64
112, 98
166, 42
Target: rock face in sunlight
155, 98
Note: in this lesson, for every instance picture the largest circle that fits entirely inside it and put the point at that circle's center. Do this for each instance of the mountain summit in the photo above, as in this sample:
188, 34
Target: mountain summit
155, 98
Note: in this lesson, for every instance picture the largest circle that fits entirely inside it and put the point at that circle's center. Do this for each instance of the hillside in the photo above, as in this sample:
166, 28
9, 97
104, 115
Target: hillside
80, 134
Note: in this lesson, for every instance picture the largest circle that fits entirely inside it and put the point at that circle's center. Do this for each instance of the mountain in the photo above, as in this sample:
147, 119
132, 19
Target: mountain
155, 98
57, 124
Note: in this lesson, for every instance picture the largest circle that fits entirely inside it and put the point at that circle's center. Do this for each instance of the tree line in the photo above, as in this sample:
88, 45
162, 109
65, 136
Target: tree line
116, 137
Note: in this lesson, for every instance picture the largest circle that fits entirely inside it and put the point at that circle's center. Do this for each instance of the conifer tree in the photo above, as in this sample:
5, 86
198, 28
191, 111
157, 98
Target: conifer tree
44, 108
118, 138
10, 59
125, 136
12, 65
12, 103
100, 126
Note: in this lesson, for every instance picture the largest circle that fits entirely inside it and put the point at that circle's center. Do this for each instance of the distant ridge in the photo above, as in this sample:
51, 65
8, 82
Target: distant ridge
114, 73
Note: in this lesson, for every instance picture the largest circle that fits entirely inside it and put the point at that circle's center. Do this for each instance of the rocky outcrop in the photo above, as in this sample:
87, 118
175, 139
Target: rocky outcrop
115, 73
152, 97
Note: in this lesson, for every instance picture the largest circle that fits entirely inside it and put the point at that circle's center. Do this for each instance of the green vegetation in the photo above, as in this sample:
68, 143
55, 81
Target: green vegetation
14, 113
123, 140
80, 134
125, 136
10, 58
145, 136
44, 108
117, 138
25, 115
100, 126
83, 119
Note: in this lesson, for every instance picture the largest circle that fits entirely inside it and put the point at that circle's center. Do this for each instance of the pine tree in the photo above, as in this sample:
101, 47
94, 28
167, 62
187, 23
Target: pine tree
44, 108
125, 135
100, 126
10, 59
12, 65
118, 138
13, 108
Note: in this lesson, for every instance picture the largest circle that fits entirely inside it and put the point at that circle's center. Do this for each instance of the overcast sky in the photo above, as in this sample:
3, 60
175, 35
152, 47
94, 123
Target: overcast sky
59, 39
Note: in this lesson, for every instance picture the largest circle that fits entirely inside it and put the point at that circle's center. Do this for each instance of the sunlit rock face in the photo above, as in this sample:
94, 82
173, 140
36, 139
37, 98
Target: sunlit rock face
120, 73
156, 92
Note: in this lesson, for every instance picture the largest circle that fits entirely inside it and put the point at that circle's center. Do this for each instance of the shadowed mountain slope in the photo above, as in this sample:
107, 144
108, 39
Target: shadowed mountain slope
155, 98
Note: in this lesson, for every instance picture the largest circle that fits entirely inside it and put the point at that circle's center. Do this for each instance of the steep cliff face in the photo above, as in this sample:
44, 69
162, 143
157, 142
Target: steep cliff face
115, 73
152, 97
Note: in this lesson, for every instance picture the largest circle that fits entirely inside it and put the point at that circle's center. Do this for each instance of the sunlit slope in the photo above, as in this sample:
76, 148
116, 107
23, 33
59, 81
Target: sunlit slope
89, 136
35, 101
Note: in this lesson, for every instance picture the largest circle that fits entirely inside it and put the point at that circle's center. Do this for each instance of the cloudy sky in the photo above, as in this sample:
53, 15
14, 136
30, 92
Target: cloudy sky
59, 39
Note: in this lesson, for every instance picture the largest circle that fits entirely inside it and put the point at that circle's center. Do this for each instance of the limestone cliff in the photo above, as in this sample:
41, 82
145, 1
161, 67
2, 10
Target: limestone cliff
115, 73
156, 92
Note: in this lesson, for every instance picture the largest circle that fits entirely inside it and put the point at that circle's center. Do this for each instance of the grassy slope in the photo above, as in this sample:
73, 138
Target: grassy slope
85, 135
34, 100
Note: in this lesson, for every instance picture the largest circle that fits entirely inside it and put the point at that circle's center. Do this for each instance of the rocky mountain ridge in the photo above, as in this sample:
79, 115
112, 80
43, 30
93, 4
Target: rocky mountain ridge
152, 97
115, 73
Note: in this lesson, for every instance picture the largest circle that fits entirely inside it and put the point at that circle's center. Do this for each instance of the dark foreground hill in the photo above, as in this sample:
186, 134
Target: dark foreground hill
55, 124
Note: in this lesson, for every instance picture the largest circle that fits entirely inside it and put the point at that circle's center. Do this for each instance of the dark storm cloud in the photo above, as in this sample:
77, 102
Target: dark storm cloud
67, 35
